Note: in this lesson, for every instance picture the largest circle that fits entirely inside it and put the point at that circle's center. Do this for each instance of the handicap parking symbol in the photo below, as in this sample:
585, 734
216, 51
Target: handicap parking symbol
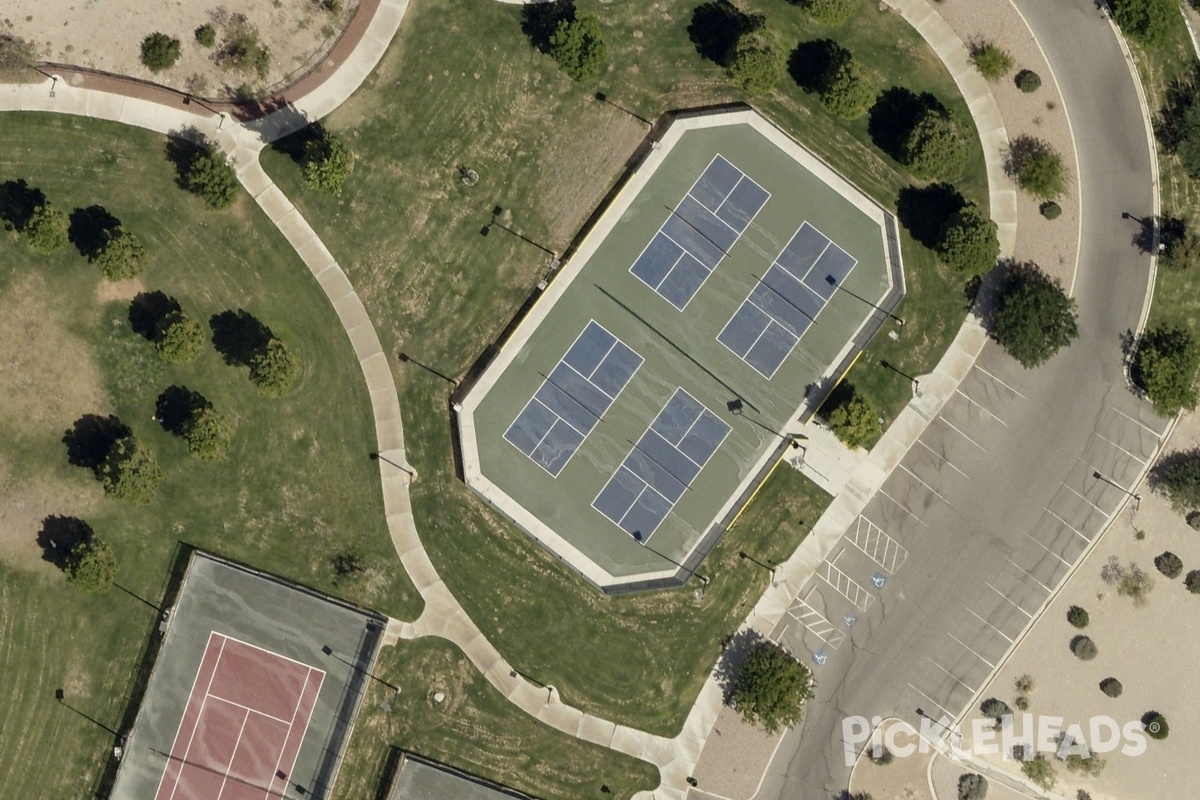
878, 579
820, 657
850, 618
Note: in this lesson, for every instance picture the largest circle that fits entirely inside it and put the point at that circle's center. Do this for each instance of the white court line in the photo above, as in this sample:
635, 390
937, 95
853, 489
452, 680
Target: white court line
1047, 549
1069, 525
196, 727
237, 743
1153, 432
1031, 576
1002, 383
926, 485
953, 677
930, 699
248, 709
955, 428
944, 459
981, 407
1010, 602
981, 658
1122, 449
902, 507
990, 625
295, 711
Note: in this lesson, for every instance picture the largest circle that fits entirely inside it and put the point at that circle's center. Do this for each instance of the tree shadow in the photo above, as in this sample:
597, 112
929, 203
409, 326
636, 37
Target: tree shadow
91, 438
1022, 150
1170, 232
294, 144
183, 148
59, 536
147, 311
894, 114
1167, 464
17, 203
716, 27
1178, 98
176, 405
89, 228
539, 19
924, 210
811, 61
239, 336
734, 652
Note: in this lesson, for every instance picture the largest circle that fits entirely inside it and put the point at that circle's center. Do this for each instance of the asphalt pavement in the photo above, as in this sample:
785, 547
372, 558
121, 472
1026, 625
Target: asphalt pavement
1010, 483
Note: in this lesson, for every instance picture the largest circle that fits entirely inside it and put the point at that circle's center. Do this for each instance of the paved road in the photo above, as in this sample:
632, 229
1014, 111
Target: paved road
998, 498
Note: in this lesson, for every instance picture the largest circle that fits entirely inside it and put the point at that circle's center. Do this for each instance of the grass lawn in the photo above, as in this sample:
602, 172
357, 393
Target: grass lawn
297, 489
462, 87
474, 725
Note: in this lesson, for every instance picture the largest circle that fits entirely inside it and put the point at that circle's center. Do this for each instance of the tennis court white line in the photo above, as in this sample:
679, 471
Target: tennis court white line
195, 680
732, 229
1002, 383
707, 274
248, 709
207, 690
599, 364
589, 382
972, 651
981, 407
990, 625
237, 743
960, 433
1069, 525
295, 711
944, 459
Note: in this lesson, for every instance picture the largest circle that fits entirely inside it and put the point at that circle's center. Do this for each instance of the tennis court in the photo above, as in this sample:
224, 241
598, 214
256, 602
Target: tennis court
663, 368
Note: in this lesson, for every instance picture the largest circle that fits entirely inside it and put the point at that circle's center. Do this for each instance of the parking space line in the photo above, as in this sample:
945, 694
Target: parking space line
1029, 574
982, 407
816, 623
930, 699
956, 679
1010, 602
1069, 525
1002, 383
1122, 449
981, 658
1047, 549
944, 459
903, 507
844, 584
990, 625
1153, 432
894, 553
923, 483
954, 428
1084, 499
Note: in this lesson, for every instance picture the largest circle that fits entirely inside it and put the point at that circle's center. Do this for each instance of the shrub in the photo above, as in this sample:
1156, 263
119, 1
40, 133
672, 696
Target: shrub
120, 255
1050, 209
160, 51
992, 62
1028, 81
853, 420
1021, 702
1192, 581
1156, 725
771, 688
1169, 564
243, 50
1181, 251
935, 147
578, 47
1131, 581
1034, 318
968, 241
757, 64
47, 229
130, 472
1111, 687
1039, 770
326, 163
847, 90
830, 12
1084, 648
1037, 168
884, 757
1023, 683
91, 566
211, 176
275, 369
995, 708
1164, 365
1148, 21
180, 338
18, 57
1091, 764
1193, 520
972, 786
206, 35
208, 434
1078, 617
1178, 477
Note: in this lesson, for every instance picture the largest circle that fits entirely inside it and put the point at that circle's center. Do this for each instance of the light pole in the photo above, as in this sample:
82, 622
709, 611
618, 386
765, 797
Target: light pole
1137, 498
832, 281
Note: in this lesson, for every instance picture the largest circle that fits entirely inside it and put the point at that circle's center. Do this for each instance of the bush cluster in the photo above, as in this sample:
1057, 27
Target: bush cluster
1028, 81
1084, 648
1111, 687
991, 60
1078, 617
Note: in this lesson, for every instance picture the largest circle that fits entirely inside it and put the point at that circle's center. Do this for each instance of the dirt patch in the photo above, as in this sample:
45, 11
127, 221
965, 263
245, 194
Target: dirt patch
23, 507
107, 36
735, 757
107, 291
906, 777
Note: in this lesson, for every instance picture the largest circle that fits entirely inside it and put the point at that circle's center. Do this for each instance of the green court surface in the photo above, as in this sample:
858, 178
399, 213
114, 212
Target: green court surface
680, 349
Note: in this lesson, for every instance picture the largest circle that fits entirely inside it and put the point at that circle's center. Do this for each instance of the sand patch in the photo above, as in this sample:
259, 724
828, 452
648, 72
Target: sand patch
107, 291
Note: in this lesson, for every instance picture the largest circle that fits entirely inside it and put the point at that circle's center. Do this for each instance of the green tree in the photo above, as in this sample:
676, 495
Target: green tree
1078, 617
936, 146
130, 472
326, 163
92, 566
1131, 581
972, 786
206, 35
853, 420
211, 176
757, 64
995, 708
847, 90
1028, 81
992, 61
771, 688
1165, 365
1034, 318
1039, 770
1148, 21
1037, 168
578, 47
46, 230
968, 241
180, 338
274, 370
1091, 765
1192, 581
1111, 687
120, 256
1181, 252
208, 434
1084, 648
831, 12
1178, 477
160, 51
1156, 725
1169, 564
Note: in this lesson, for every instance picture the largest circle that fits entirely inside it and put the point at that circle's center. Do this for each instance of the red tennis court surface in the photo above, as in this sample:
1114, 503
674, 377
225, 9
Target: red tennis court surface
243, 725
